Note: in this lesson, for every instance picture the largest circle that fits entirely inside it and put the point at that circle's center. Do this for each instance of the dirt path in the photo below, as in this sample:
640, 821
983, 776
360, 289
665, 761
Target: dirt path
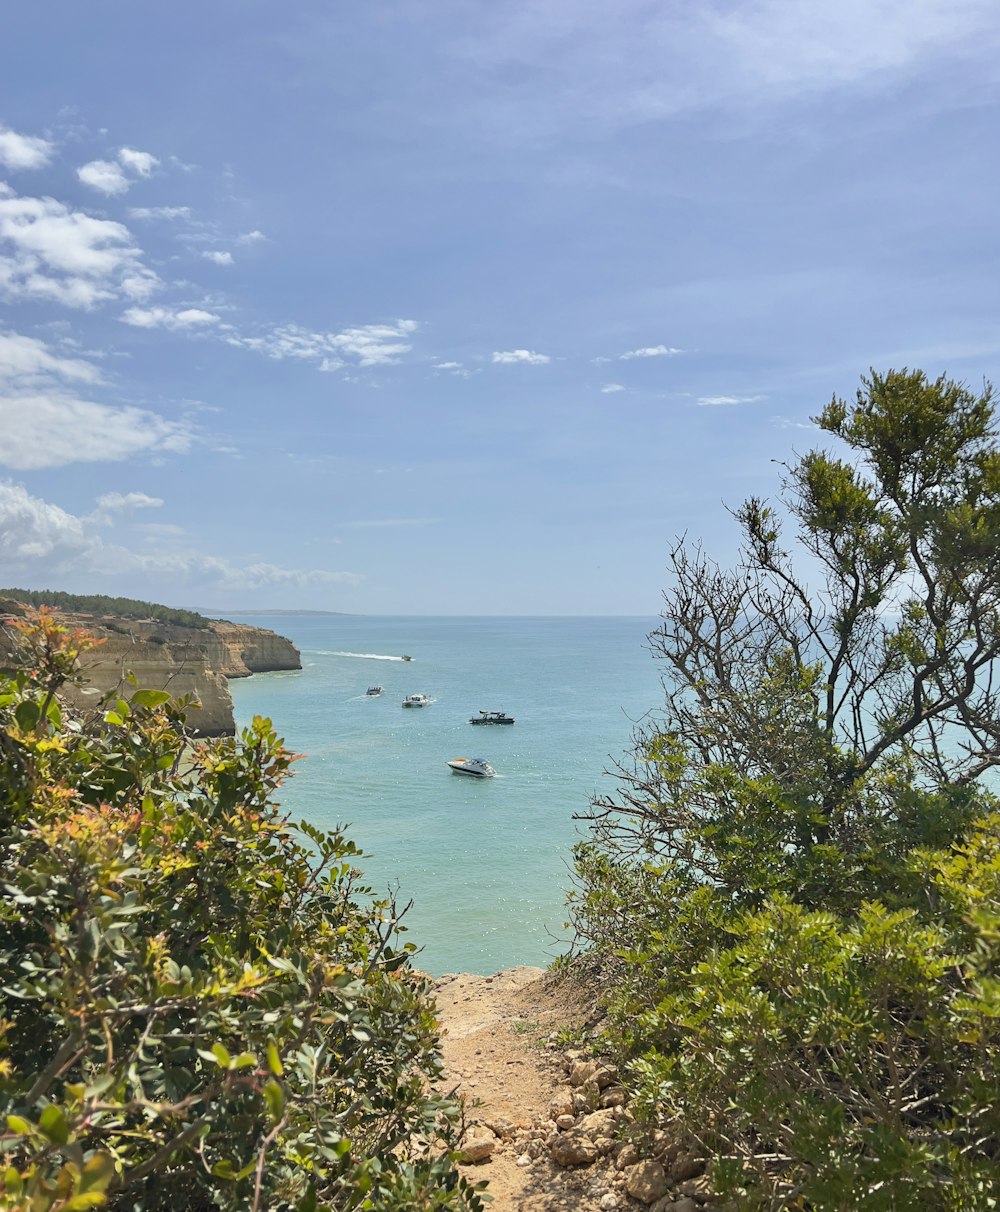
500, 1054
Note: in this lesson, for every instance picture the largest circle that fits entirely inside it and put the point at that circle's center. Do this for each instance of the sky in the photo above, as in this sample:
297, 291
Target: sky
463, 306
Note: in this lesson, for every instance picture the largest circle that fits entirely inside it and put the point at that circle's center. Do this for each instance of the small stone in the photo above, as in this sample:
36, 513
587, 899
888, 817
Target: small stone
524, 1161
613, 1096
685, 1166
685, 1204
476, 1150
583, 1072
628, 1155
562, 1104
598, 1123
646, 1181
606, 1075
609, 1202
572, 1149
565, 1122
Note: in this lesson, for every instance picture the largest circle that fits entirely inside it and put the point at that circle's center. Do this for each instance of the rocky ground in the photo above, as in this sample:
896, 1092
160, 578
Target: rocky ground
548, 1124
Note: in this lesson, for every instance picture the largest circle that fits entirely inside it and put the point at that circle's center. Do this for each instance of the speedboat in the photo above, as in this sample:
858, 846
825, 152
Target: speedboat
373, 691
404, 657
479, 768
416, 700
492, 717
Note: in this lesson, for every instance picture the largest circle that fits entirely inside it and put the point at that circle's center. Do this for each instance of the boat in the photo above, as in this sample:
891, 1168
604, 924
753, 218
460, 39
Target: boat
404, 657
373, 691
492, 717
416, 700
479, 768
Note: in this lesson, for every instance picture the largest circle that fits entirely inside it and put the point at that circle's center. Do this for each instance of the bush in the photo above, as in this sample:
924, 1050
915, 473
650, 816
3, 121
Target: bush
202, 1007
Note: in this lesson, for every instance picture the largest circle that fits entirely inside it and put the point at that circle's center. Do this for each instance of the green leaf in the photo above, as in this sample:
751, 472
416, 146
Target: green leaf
274, 1096
221, 1054
53, 1124
18, 1124
274, 1059
97, 1173
26, 713
150, 698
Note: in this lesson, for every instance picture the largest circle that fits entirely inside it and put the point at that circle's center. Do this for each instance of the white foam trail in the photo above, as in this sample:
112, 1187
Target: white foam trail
361, 656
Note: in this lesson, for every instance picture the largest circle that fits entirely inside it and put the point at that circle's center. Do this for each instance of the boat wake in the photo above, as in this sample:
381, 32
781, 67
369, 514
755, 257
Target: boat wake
361, 656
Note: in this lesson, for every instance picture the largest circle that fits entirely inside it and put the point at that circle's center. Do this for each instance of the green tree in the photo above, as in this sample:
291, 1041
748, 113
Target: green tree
784, 833
202, 1006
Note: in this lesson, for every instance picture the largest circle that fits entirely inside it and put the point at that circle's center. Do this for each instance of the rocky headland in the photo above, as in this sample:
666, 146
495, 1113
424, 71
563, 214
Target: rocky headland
164, 656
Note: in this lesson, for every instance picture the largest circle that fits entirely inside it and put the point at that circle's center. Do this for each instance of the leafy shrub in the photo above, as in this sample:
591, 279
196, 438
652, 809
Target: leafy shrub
202, 1007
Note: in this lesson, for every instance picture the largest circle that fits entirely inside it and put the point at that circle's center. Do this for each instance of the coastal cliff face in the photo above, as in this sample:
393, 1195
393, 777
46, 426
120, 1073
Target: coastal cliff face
182, 660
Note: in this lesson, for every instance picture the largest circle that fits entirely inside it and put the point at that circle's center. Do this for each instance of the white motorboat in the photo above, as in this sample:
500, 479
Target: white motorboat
416, 700
479, 768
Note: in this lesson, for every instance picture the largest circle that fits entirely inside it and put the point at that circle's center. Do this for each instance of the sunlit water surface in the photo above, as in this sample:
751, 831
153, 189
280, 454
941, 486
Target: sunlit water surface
486, 862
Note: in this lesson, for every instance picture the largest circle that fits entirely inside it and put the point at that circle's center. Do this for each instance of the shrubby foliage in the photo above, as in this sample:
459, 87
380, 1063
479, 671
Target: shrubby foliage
798, 884
201, 1006
101, 604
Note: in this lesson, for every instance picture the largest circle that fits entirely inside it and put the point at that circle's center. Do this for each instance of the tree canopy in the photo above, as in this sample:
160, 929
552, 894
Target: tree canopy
796, 879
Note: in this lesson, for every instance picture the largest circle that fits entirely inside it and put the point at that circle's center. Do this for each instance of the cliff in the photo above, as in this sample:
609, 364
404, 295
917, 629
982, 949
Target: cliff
183, 660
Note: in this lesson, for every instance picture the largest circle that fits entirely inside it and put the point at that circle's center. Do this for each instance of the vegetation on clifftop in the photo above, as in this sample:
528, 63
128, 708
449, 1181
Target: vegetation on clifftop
201, 1005
797, 887
100, 604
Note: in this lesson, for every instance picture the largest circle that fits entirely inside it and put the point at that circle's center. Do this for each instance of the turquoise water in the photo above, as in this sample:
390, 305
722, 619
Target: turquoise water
485, 861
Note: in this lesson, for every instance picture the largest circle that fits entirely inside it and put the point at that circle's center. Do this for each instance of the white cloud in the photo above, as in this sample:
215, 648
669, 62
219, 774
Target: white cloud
33, 530
368, 345
609, 388
220, 258
651, 351
138, 161
160, 212
527, 356
447, 365
43, 540
26, 361
55, 428
104, 176
109, 177
48, 251
713, 401
115, 502
251, 237
165, 317
23, 151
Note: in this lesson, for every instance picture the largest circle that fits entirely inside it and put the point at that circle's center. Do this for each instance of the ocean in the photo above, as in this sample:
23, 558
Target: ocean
486, 862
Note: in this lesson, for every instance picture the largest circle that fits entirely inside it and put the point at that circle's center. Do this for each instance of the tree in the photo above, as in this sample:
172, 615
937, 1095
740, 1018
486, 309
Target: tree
201, 1005
796, 885
821, 702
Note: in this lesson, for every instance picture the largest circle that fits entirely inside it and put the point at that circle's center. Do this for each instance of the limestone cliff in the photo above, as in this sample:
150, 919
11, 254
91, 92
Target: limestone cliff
183, 660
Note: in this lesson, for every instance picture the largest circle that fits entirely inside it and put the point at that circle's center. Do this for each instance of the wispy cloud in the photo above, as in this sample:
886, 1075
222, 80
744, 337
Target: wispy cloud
174, 320
138, 161
160, 212
715, 401
44, 421
651, 351
110, 504
366, 345
218, 257
23, 151
526, 356
610, 388
40, 539
111, 176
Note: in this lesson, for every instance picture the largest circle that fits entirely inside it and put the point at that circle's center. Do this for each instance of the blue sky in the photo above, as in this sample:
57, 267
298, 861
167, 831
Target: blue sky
463, 307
